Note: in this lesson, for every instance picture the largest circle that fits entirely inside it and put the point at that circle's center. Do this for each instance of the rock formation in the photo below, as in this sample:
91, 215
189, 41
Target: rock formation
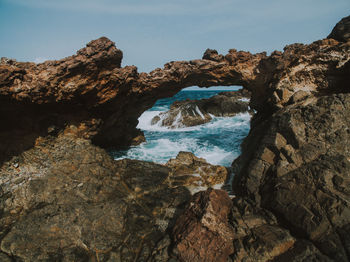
195, 173
62, 198
197, 112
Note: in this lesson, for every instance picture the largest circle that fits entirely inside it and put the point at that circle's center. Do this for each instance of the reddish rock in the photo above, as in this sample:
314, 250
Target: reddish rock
202, 232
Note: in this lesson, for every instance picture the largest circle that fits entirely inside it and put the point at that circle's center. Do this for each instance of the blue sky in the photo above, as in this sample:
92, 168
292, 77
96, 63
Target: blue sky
154, 32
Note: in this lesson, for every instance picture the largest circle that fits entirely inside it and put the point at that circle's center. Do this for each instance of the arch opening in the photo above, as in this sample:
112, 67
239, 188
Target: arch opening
183, 126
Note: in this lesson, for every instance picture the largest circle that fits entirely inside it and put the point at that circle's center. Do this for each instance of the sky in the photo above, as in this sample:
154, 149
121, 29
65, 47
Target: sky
153, 32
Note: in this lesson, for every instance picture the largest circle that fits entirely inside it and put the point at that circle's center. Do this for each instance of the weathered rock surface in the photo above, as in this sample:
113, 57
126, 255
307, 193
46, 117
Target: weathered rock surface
202, 232
297, 166
197, 112
195, 173
215, 228
65, 199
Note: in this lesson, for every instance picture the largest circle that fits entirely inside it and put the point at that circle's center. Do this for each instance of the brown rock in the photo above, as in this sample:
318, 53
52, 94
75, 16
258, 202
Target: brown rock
196, 173
202, 232
67, 200
211, 54
298, 168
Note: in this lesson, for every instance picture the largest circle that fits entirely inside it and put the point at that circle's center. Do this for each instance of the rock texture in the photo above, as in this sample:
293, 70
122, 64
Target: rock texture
298, 168
62, 198
67, 200
202, 233
195, 173
197, 112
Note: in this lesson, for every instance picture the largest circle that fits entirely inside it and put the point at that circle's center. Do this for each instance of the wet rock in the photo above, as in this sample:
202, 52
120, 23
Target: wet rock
195, 173
197, 112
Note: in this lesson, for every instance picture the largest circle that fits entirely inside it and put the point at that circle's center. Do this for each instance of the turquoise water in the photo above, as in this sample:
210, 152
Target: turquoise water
217, 141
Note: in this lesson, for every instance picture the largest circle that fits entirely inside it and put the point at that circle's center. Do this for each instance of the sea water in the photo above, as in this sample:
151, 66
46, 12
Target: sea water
218, 141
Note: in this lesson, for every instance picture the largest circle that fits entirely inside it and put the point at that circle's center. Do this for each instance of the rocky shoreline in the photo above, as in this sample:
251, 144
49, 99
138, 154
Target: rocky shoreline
63, 198
197, 112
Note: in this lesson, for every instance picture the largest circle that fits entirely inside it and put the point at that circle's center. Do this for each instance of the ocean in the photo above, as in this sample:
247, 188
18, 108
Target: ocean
218, 141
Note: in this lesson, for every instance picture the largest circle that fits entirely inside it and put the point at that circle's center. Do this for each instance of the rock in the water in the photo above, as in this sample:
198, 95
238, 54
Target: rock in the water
197, 112
196, 173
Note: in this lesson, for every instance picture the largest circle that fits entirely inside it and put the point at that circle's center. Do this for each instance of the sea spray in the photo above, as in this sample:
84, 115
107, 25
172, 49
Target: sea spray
218, 141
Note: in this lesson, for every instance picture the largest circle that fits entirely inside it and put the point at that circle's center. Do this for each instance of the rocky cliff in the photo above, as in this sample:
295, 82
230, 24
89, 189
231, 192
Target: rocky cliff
62, 198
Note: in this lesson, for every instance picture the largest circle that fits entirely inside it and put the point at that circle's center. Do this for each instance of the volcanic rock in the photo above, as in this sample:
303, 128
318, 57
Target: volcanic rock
196, 112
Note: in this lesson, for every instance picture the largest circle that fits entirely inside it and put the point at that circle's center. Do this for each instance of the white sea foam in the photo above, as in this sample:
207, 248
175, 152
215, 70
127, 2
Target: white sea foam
161, 150
244, 99
217, 141
199, 112
218, 122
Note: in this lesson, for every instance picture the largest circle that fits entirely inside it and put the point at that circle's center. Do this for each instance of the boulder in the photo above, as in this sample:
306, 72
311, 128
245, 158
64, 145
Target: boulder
195, 173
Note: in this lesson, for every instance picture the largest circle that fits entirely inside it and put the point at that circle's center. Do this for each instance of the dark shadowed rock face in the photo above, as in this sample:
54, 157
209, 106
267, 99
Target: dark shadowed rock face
197, 112
341, 32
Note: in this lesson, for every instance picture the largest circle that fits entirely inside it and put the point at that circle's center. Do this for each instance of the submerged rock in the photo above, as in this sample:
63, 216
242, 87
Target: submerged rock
197, 112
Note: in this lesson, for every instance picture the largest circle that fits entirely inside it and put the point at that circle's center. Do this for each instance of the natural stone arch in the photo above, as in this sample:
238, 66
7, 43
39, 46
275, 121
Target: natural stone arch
91, 95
